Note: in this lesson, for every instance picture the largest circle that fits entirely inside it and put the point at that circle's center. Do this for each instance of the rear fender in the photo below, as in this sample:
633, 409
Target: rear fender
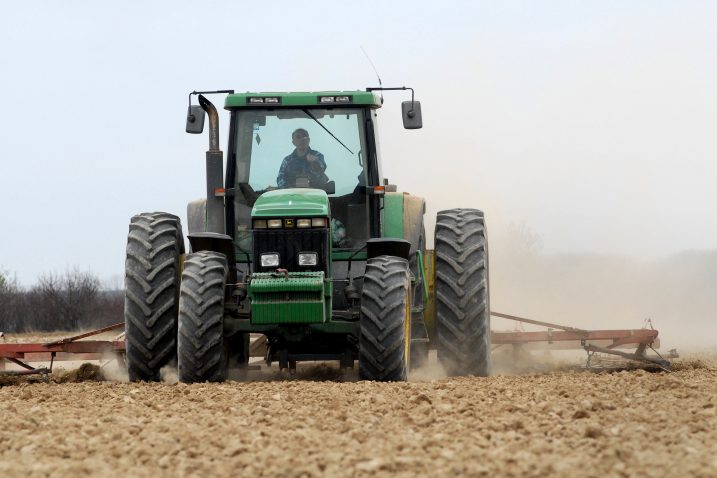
197, 216
213, 241
414, 208
403, 218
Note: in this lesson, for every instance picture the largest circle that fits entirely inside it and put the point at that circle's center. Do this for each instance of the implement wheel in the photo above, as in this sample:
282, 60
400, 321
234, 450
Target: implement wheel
385, 320
154, 246
462, 300
201, 347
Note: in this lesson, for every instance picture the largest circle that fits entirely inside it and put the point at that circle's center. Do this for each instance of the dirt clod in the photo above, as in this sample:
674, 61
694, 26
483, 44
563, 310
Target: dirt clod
86, 373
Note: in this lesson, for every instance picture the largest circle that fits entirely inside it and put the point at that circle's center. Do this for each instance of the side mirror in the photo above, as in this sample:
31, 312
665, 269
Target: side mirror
195, 119
411, 112
330, 187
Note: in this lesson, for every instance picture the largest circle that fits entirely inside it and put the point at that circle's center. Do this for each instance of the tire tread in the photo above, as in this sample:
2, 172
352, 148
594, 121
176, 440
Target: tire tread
202, 354
154, 244
383, 315
462, 294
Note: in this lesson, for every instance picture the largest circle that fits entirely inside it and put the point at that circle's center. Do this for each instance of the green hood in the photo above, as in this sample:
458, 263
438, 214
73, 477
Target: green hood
296, 202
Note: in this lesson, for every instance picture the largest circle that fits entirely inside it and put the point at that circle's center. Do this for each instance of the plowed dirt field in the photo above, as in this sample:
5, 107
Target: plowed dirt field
323, 423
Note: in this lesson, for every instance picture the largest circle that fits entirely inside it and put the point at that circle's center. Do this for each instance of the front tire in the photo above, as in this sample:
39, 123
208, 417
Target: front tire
462, 298
201, 347
154, 246
385, 320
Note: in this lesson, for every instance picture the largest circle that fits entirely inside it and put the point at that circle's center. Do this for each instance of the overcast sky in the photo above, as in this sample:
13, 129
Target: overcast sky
591, 124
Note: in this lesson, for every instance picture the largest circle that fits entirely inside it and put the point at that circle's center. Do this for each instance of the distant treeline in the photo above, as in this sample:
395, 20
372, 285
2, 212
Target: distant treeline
58, 302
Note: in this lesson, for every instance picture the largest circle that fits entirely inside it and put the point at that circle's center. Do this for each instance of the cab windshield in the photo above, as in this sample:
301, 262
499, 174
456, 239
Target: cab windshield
305, 147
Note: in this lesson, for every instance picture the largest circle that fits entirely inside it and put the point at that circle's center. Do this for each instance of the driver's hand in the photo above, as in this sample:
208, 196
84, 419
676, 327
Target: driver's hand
311, 158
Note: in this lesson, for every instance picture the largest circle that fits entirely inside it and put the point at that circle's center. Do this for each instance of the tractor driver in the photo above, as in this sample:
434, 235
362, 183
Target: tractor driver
302, 162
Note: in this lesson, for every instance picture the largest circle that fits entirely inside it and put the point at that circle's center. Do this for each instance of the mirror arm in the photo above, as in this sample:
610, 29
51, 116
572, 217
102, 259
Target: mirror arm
411, 113
191, 117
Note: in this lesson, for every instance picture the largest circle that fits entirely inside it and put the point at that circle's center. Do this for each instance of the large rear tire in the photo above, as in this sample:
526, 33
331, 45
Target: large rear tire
154, 246
201, 347
385, 320
462, 295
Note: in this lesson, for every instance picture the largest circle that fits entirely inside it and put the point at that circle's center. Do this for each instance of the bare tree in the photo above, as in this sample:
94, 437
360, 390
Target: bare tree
58, 302
9, 296
66, 302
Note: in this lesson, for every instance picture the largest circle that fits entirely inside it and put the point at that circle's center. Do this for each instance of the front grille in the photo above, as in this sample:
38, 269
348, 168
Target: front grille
288, 243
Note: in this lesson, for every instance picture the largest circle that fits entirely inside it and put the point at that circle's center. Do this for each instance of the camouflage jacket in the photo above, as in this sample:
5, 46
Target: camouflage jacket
295, 165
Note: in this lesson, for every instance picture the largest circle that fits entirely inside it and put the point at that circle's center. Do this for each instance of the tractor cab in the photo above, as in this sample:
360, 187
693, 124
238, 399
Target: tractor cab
306, 184
323, 141
294, 146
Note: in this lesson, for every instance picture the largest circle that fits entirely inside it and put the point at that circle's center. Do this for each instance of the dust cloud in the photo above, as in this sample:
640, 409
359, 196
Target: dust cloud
430, 370
169, 374
676, 292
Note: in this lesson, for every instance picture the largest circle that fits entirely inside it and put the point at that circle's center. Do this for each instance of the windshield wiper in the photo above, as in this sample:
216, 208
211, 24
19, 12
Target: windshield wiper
326, 129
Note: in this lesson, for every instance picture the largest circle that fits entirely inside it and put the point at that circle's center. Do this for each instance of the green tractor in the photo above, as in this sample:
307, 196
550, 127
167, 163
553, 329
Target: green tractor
303, 240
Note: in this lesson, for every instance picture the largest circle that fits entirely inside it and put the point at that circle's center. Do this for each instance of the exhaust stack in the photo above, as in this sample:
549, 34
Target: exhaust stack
215, 171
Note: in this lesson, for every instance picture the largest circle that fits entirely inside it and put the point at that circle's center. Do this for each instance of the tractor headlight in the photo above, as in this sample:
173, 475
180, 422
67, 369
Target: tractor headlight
319, 222
270, 260
303, 223
307, 259
259, 223
274, 223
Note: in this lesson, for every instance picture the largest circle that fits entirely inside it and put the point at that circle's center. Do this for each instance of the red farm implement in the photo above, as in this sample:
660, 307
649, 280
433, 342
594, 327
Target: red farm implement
67, 349
593, 342
607, 342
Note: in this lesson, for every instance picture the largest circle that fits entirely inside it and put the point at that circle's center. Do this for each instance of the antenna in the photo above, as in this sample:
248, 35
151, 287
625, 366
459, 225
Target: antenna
374, 70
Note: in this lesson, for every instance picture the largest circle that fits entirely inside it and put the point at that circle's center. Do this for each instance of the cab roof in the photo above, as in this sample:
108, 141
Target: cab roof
298, 99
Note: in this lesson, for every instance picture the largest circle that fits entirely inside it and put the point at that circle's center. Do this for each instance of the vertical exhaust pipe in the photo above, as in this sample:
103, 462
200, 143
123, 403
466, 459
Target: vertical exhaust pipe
215, 171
